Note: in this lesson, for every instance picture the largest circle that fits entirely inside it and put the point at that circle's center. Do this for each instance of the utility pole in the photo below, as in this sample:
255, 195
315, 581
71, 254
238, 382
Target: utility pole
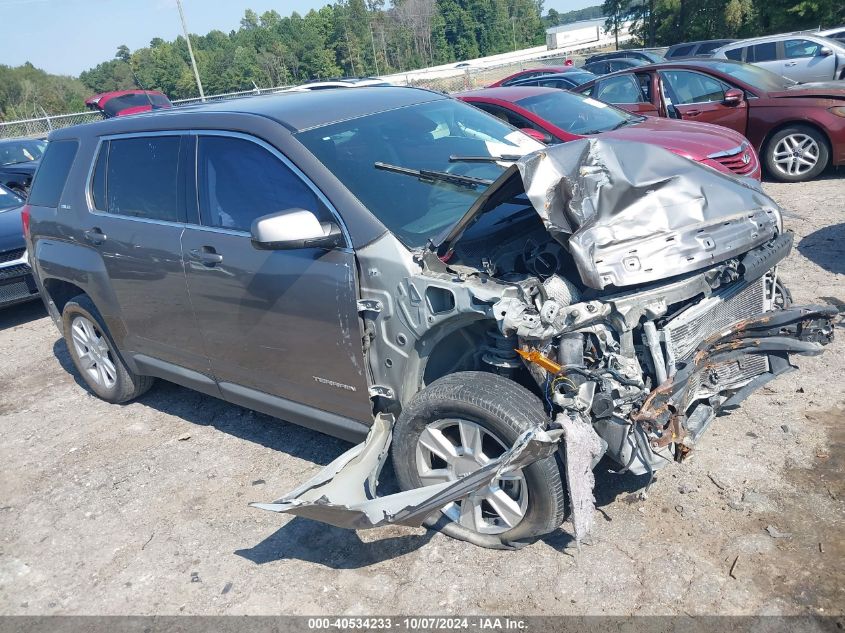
190, 49
513, 30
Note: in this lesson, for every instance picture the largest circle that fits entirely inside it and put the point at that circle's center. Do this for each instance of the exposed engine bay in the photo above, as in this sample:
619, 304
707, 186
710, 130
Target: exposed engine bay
637, 295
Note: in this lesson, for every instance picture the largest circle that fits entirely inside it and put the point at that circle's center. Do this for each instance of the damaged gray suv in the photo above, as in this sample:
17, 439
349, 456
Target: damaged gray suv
393, 264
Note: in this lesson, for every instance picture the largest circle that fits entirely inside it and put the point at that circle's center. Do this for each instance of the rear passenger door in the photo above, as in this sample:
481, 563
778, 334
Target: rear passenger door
277, 322
137, 195
626, 92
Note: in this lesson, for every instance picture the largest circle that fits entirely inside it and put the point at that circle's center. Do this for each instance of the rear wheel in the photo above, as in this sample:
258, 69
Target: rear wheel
796, 153
460, 423
95, 356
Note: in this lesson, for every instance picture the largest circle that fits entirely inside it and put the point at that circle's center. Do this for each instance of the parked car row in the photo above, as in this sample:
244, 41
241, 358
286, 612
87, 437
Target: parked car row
396, 263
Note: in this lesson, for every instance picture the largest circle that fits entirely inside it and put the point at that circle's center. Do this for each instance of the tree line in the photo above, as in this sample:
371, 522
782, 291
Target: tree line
666, 22
377, 37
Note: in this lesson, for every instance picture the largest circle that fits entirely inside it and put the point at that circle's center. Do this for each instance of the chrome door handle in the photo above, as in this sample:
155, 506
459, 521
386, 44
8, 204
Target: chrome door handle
95, 236
207, 255
791, 64
692, 112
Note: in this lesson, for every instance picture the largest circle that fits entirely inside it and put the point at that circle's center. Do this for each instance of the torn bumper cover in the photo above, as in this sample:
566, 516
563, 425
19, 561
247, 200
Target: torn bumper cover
343, 493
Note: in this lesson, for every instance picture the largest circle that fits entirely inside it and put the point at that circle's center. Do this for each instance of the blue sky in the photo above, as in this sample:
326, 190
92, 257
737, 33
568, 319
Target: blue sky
69, 36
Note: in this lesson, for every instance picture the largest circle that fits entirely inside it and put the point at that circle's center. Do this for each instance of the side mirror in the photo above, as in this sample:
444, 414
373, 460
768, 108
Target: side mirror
537, 135
292, 229
733, 97
825, 51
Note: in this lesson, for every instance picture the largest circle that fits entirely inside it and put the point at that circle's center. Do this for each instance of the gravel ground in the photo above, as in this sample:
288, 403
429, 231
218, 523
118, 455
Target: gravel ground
142, 508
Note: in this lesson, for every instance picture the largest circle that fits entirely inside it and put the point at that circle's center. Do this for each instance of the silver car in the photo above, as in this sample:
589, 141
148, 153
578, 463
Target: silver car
802, 57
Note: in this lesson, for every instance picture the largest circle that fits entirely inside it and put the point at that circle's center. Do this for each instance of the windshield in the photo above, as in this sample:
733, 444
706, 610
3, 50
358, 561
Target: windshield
578, 77
24, 151
8, 199
115, 105
653, 56
418, 137
576, 113
754, 76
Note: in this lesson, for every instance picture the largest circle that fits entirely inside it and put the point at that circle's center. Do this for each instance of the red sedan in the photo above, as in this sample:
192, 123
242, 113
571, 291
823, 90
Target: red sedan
124, 102
798, 129
557, 116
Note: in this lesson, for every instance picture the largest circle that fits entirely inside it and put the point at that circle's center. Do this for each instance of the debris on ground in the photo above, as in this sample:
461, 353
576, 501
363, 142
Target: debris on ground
776, 533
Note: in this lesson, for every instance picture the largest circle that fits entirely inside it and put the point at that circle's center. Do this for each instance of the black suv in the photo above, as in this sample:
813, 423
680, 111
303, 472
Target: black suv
338, 257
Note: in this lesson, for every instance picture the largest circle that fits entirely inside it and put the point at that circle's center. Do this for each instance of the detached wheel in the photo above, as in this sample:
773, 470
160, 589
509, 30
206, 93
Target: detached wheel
796, 153
456, 425
95, 356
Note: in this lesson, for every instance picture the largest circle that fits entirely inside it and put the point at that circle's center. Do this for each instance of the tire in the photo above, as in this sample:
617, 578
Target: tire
503, 410
95, 356
808, 143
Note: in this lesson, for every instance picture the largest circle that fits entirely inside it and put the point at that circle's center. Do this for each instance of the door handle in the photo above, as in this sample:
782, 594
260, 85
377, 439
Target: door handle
207, 255
791, 64
95, 236
692, 112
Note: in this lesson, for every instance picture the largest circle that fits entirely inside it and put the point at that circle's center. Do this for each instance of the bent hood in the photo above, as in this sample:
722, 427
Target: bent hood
631, 213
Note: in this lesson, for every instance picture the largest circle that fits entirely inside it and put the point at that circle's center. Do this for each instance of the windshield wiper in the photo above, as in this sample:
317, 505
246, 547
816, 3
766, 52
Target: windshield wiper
504, 158
427, 175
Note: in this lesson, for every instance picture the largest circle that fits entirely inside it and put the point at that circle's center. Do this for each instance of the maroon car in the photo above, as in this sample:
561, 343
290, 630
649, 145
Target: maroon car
798, 129
557, 116
530, 73
124, 102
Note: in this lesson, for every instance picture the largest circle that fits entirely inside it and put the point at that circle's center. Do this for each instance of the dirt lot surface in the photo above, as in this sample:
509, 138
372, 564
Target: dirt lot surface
143, 508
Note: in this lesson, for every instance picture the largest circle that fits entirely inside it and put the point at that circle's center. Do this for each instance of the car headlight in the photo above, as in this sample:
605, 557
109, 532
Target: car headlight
837, 110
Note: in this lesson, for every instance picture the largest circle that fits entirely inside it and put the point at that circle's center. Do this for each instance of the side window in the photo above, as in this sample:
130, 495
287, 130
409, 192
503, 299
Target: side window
52, 174
240, 181
142, 177
709, 47
98, 184
766, 52
794, 49
645, 85
682, 51
509, 117
689, 87
735, 54
551, 83
622, 89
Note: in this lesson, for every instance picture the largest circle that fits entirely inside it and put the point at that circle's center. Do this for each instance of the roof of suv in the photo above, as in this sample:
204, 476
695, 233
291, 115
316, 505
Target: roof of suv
296, 111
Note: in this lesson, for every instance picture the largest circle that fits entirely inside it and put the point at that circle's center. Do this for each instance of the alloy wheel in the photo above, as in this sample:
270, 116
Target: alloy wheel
93, 352
452, 448
796, 154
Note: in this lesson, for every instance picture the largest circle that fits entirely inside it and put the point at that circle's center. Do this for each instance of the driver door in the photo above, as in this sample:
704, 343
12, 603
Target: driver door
277, 322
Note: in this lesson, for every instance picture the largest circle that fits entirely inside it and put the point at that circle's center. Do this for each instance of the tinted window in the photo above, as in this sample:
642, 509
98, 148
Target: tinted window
681, 51
241, 181
622, 89
142, 177
52, 173
98, 184
735, 54
793, 49
152, 100
689, 87
597, 68
766, 52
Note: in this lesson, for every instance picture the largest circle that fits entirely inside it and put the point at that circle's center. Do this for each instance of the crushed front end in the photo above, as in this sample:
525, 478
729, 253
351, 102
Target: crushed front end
634, 291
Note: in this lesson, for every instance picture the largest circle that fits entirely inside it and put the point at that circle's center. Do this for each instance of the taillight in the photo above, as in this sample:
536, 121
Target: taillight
25, 220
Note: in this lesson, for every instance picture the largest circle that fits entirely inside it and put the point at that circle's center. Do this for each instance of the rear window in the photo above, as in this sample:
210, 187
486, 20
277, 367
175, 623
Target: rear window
52, 174
681, 51
735, 54
141, 178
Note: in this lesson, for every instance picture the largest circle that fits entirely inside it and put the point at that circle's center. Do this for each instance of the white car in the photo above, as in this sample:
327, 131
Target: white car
836, 33
802, 57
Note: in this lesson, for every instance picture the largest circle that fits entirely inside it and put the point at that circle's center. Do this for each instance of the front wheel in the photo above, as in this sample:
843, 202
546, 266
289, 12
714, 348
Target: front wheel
458, 424
796, 153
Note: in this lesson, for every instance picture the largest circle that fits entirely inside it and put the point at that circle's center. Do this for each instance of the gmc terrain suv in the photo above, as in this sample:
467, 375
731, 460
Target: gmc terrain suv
497, 315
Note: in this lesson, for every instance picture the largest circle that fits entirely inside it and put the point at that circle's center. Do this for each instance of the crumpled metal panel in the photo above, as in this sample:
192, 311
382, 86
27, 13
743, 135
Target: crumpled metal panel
632, 213
343, 493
